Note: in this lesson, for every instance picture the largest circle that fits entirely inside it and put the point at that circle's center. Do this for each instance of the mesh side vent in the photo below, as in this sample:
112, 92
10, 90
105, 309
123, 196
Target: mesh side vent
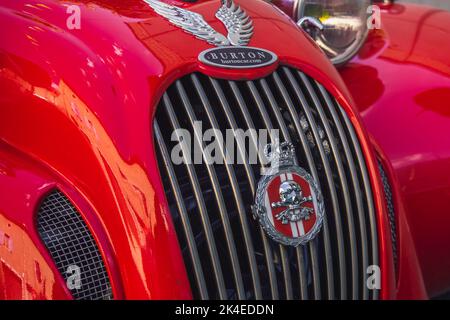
391, 210
73, 248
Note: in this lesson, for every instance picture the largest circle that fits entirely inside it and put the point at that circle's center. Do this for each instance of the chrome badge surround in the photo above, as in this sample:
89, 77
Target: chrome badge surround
282, 159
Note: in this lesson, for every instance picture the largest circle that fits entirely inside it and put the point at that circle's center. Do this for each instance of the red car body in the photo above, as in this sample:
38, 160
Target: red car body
74, 114
400, 82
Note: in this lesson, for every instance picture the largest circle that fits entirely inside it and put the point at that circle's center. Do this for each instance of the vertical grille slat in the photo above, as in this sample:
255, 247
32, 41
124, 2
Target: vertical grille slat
344, 186
285, 132
328, 173
283, 254
327, 245
217, 198
367, 188
193, 252
342, 178
236, 194
276, 110
212, 248
251, 178
300, 255
299, 130
356, 185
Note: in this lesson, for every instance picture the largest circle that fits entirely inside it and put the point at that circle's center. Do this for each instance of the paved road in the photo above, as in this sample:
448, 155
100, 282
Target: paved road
444, 4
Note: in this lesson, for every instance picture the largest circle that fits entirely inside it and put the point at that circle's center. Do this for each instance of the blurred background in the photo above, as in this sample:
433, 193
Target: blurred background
444, 4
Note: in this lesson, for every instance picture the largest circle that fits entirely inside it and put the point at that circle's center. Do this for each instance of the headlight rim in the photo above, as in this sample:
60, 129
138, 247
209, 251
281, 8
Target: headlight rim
349, 53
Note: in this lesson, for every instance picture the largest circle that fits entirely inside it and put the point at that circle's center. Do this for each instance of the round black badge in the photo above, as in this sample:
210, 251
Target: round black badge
237, 57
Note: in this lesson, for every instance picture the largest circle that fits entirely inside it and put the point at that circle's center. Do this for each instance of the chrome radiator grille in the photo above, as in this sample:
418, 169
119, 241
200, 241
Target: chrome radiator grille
71, 244
226, 253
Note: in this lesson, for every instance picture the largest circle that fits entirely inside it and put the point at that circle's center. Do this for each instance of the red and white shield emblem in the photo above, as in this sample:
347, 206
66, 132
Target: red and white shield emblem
288, 203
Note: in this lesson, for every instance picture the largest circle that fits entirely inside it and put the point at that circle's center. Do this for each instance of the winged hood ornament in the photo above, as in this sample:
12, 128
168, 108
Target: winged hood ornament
237, 22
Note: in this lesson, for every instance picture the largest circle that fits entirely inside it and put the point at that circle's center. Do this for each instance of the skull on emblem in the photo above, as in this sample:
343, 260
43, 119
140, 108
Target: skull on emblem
290, 193
291, 197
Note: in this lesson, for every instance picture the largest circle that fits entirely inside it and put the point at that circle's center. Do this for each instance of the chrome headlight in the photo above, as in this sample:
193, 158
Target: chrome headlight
344, 25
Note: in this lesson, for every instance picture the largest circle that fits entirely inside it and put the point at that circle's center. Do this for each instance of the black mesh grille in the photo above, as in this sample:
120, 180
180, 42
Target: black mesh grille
226, 253
71, 245
391, 210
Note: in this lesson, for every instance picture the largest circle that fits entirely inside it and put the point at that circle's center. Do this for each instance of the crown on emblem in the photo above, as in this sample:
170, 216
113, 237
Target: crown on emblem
280, 153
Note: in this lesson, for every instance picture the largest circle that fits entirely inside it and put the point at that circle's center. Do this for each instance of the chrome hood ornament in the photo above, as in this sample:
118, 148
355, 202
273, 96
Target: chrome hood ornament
288, 202
237, 22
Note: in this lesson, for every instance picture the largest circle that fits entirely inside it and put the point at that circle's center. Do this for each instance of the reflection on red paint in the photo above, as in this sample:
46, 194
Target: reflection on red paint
403, 76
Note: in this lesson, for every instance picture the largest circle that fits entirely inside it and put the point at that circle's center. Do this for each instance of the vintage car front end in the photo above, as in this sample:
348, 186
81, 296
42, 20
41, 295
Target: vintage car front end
91, 117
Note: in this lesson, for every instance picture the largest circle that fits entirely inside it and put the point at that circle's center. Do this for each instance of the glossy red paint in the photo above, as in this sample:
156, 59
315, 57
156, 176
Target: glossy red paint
36, 277
80, 105
400, 82
287, 6
22, 254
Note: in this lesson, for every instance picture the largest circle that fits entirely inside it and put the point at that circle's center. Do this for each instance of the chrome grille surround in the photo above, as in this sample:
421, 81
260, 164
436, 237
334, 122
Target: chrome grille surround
70, 243
226, 253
